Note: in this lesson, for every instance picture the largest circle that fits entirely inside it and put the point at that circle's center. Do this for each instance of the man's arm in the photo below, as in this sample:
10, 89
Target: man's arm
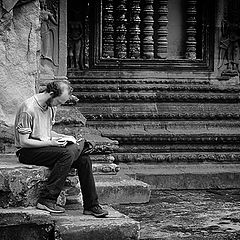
27, 142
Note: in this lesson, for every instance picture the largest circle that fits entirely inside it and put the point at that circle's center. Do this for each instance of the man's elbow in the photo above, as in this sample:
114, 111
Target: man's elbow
24, 143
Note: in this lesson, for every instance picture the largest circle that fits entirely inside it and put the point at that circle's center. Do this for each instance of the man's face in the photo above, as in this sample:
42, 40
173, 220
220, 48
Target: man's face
65, 96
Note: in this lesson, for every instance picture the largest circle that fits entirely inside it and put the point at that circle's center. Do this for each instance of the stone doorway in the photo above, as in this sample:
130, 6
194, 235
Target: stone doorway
145, 33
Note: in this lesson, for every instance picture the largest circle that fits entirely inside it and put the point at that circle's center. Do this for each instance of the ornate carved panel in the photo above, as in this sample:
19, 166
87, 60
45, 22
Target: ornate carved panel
162, 31
191, 29
135, 33
49, 36
134, 29
229, 45
108, 30
121, 30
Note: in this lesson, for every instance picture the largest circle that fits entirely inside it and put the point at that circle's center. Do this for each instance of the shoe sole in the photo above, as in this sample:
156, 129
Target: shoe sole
94, 214
44, 207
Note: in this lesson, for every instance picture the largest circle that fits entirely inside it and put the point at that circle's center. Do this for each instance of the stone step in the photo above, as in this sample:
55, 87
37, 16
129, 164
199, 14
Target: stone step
20, 185
26, 224
73, 225
30, 223
186, 176
154, 111
121, 189
153, 96
173, 154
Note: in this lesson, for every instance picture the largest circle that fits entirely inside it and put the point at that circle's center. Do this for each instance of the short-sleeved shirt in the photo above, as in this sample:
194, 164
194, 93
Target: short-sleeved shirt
33, 119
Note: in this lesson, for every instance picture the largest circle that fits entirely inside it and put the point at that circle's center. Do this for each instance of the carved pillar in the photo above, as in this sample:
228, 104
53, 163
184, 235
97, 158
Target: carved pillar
134, 29
62, 70
121, 42
148, 44
86, 39
108, 30
162, 31
191, 29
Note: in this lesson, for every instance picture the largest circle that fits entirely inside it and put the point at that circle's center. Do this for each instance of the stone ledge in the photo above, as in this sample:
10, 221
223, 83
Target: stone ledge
186, 176
31, 223
20, 216
20, 185
75, 225
121, 190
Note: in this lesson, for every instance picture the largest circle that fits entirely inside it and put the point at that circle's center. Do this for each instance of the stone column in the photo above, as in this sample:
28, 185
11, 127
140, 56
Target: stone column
62, 70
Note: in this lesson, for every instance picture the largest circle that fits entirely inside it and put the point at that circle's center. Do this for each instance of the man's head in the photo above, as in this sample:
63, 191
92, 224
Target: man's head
59, 92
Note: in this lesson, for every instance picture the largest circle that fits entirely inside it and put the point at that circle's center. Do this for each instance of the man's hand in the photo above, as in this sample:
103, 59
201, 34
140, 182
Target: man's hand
58, 142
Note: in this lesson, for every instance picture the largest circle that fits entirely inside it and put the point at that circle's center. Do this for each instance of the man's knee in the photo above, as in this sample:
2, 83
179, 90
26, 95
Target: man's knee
66, 157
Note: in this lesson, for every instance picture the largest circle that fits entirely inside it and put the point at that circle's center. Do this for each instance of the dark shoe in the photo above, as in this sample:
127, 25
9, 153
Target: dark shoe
96, 211
50, 207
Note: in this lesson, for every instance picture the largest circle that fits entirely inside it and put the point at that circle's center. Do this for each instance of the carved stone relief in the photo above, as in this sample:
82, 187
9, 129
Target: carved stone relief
229, 46
78, 39
49, 35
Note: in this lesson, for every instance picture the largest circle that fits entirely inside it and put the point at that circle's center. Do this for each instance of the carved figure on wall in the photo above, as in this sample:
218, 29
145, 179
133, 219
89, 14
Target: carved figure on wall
49, 39
229, 47
75, 45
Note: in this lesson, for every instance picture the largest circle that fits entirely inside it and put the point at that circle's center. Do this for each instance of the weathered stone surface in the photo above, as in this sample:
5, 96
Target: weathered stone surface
186, 176
25, 224
74, 225
121, 189
100, 168
21, 216
6, 137
191, 215
19, 47
33, 224
20, 185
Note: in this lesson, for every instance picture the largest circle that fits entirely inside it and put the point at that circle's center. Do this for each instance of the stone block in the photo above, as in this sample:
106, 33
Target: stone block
121, 189
19, 183
186, 176
25, 224
74, 225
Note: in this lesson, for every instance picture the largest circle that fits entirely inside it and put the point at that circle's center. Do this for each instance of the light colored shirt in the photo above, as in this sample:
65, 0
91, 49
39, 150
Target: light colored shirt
35, 120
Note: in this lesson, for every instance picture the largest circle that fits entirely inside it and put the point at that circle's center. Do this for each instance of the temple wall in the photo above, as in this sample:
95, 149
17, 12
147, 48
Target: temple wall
19, 57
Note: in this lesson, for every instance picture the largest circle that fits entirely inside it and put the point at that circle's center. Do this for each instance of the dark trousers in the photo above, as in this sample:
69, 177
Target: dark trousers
60, 161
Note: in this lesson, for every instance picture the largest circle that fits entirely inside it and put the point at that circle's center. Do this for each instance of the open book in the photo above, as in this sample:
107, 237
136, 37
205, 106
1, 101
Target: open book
88, 146
69, 139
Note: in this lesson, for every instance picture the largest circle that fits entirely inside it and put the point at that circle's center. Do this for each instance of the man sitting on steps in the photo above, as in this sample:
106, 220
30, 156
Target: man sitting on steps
38, 145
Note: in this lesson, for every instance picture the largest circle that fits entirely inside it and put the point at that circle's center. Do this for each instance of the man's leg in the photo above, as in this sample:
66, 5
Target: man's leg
59, 160
83, 165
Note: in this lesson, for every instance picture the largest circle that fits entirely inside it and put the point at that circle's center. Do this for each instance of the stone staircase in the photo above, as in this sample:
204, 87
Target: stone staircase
20, 185
162, 117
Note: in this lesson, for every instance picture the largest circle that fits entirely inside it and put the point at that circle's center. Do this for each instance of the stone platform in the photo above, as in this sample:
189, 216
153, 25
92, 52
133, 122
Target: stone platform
184, 176
20, 185
32, 224
187, 215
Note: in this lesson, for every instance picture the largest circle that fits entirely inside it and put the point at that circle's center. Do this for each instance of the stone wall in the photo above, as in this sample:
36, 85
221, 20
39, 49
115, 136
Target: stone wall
19, 57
